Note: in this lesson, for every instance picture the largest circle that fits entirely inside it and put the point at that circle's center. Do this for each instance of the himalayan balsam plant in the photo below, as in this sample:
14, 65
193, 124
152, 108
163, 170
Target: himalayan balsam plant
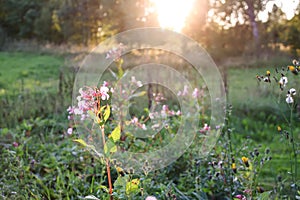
94, 104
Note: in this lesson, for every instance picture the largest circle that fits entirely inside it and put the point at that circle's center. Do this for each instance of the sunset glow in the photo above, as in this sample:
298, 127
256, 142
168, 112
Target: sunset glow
172, 14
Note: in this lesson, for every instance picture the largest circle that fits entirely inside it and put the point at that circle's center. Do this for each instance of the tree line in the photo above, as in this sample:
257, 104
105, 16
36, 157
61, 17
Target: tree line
91, 21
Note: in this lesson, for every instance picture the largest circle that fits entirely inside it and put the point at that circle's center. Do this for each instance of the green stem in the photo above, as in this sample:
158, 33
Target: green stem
294, 150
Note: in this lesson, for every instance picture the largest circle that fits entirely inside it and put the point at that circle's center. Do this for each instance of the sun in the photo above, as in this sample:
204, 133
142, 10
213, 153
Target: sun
172, 14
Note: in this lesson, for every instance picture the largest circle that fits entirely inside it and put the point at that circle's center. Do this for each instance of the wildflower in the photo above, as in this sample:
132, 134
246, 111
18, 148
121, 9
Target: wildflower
293, 69
268, 73
136, 122
15, 144
115, 53
104, 92
283, 81
151, 198
289, 99
184, 92
120, 171
242, 197
279, 129
267, 79
233, 167
245, 161
178, 113
259, 78
296, 63
134, 81
70, 131
292, 92
205, 129
195, 93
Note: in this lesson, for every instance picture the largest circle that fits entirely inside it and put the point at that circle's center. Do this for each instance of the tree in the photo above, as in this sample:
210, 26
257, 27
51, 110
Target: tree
290, 34
232, 12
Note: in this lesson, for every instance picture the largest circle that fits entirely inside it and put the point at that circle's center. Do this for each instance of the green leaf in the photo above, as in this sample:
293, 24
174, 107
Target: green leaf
104, 188
81, 141
106, 113
110, 147
132, 186
138, 94
116, 134
120, 182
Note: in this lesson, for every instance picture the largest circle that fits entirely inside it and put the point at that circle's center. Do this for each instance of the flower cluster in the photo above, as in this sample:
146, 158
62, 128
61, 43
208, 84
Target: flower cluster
283, 80
205, 129
88, 99
116, 52
135, 121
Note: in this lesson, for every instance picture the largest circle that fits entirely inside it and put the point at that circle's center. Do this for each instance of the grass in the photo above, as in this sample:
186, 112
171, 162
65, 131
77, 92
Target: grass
28, 71
28, 91
29, 82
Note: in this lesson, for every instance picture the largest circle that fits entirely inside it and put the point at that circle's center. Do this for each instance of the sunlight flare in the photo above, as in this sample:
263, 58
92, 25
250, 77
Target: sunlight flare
172, 14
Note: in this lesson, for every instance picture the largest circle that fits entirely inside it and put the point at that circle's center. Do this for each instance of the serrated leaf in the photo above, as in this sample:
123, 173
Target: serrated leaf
132, 186
81, 141
116, 134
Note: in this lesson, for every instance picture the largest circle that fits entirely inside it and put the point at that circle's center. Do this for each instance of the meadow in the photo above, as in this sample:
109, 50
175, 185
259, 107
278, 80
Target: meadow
40, 160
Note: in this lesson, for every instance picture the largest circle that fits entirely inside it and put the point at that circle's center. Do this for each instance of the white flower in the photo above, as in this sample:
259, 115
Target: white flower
103, 91
185, 91
139, 84
70, 131
195, 93
151, 198
133, 80
289, 99
283, 81
292, 92
144, 127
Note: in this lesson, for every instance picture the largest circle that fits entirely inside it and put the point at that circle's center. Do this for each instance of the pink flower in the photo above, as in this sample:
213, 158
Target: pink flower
104, 93
196, 93
185, 91
87, 100
151, 198
205, 129
71, 110
178, 113
15, 144
135, 120
70, 131
116, 52
239, 196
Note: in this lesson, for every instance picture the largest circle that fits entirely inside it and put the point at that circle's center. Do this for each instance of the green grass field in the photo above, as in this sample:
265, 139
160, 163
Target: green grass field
31, 81
28, 71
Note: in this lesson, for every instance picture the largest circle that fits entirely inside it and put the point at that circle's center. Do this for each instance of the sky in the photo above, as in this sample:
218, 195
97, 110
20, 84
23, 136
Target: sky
287, 6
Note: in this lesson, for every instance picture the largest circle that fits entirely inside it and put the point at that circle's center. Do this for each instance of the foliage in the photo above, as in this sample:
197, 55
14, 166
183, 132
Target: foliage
40, 159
